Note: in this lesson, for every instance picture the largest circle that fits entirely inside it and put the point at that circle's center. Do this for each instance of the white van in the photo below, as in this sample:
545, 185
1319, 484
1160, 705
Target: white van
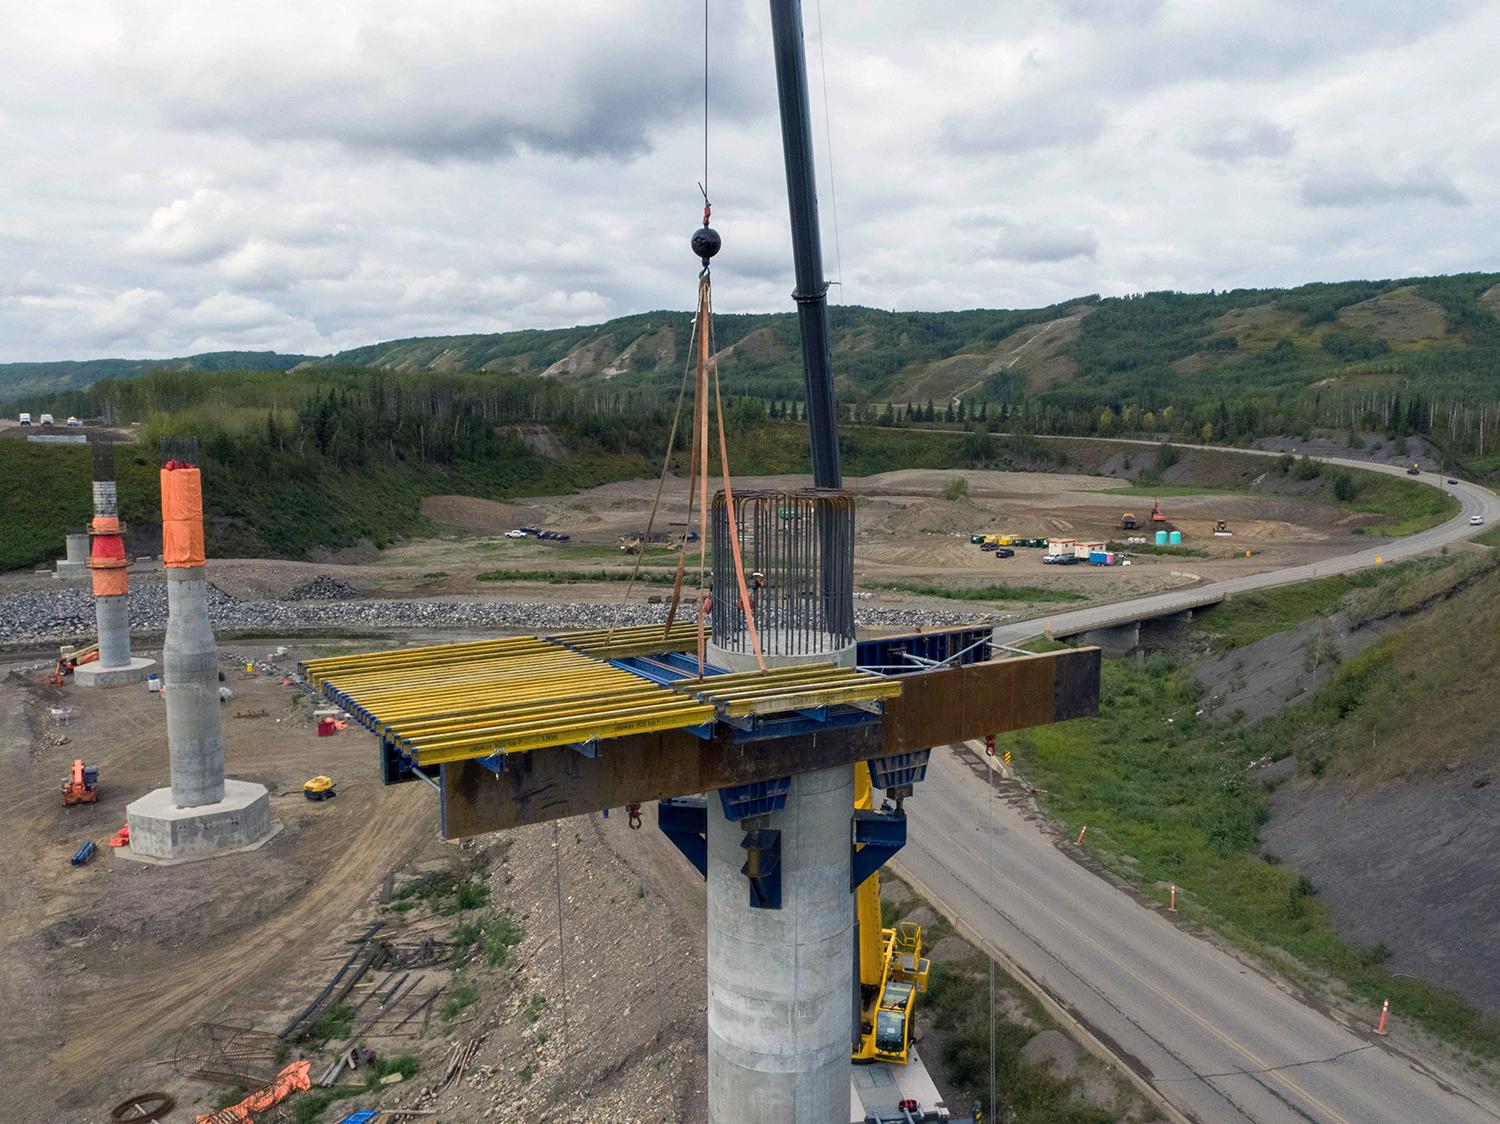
45, 419
25, 419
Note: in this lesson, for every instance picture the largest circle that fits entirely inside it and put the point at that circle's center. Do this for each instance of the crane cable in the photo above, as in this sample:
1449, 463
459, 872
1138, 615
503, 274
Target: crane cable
833, 193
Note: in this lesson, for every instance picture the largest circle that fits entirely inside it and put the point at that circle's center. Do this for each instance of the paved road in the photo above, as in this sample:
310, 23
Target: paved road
1474, 500
1220, 1041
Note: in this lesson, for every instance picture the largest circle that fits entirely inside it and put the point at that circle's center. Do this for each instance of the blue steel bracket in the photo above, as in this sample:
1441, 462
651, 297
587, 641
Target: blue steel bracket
763, 867
877, 836
495, 762
760, 798
899, 770
685, 822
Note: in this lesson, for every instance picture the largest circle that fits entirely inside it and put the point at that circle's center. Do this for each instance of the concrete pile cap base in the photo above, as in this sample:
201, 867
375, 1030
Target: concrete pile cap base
138, 670
163, 833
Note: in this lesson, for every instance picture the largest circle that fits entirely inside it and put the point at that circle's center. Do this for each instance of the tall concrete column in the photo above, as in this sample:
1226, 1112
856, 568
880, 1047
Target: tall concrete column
114, 666
780, 980
112, 616
190, 659
202, 814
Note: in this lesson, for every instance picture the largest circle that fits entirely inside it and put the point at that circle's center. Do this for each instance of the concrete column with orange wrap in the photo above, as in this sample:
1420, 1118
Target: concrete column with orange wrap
190, 656
202, 814
114, 666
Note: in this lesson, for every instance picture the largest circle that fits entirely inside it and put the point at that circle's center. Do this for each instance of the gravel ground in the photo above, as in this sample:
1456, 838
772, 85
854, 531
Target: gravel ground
62, 615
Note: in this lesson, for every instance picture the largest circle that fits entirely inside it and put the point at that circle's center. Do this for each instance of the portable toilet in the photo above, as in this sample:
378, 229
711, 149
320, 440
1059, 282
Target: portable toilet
1161, 538
1176, 538
1098, 558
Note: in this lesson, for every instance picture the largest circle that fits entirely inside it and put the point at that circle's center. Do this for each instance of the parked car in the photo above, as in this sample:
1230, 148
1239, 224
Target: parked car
45, 419
73, 423
515, 534
989, 546
1068, 560
1004, 552
1476, 520
1452, 481
1049, 559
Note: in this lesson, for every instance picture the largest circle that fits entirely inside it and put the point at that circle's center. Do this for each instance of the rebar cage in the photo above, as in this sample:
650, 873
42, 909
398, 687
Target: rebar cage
798, 553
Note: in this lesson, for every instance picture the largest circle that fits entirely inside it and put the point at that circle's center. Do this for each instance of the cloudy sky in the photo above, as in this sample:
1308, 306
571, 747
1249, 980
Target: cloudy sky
309, 175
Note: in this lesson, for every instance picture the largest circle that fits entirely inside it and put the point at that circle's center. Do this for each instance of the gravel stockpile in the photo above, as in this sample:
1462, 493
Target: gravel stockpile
323, 588
58, 615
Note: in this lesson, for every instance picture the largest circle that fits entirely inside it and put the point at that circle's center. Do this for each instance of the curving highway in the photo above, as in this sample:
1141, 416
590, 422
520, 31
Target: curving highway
1473, 500
1212, 1035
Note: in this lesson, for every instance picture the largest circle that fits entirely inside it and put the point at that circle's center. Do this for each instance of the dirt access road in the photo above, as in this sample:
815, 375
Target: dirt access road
103, 966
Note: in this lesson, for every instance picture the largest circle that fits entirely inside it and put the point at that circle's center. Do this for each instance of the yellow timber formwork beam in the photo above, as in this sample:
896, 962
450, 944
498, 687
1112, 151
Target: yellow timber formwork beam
321, 670
793, 688
618, 643
453, 702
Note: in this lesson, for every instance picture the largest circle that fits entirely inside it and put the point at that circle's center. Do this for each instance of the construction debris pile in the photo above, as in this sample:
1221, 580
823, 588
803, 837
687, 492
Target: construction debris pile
58, 615
323, 588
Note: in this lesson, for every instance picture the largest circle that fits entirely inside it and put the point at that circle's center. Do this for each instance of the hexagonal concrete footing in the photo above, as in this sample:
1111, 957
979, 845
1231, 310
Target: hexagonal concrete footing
138, 670
163, 833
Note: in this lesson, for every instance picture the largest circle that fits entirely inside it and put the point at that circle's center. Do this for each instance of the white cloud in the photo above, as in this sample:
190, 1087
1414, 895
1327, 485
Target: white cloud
1046, 243
318, 174
1360, 187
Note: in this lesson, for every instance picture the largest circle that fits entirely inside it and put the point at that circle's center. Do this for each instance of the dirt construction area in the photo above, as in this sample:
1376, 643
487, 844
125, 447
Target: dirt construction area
908, 535
110, 971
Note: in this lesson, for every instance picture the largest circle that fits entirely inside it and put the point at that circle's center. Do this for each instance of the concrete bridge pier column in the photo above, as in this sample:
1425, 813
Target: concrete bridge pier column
780, 981
1163, 632
1115, 640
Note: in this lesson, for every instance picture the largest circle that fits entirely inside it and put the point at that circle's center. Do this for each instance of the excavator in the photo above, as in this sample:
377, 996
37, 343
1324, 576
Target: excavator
892, 972
82, 784
1159, 521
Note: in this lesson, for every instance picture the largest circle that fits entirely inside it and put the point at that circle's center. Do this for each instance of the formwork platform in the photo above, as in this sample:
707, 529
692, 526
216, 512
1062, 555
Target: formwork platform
456, 702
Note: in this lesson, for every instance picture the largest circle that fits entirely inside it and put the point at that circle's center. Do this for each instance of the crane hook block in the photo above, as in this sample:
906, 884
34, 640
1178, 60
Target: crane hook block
706, 243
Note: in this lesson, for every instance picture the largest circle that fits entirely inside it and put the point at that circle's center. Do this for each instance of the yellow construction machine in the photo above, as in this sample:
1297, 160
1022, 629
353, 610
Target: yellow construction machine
892, 972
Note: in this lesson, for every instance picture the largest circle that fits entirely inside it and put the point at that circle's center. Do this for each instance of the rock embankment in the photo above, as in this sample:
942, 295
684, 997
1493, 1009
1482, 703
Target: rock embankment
65, 615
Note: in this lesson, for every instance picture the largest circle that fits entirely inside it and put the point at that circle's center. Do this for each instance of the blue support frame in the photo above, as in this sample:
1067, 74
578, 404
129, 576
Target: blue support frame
877, 836
685, 822
887, 653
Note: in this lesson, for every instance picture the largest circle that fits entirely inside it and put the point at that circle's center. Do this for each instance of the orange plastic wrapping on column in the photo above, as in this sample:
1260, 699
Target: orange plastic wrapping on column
107, 563
111, 583
181, 517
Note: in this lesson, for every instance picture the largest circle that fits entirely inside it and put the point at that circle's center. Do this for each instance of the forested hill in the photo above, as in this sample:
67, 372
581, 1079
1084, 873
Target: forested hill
1413, 355
18, 379
1165, 346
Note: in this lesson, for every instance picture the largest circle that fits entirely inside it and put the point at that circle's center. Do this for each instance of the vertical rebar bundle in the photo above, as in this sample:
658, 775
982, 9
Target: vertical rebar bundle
798, 549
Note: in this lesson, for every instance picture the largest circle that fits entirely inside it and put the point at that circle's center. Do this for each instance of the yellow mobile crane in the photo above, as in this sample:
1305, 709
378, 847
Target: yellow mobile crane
891, 970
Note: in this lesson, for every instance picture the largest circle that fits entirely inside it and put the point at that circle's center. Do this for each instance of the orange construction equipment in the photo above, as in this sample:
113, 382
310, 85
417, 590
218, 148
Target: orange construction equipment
121, 838
82, 785
1157, 514
295, 1078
